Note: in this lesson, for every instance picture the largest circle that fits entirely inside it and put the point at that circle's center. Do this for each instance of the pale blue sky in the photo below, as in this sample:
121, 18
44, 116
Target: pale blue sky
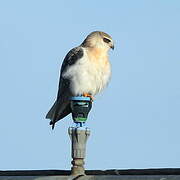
135, 122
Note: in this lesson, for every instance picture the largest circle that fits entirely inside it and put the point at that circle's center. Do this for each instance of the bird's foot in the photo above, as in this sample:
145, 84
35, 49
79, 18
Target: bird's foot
88, 95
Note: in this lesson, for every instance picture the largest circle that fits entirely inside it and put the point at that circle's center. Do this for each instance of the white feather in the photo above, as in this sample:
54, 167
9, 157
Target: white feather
87, 76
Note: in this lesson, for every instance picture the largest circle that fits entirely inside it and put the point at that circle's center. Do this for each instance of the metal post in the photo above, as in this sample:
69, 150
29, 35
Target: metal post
79, 134
79, 138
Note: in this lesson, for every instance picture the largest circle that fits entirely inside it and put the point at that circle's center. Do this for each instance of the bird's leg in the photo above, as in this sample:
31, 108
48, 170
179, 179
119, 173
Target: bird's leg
88, 95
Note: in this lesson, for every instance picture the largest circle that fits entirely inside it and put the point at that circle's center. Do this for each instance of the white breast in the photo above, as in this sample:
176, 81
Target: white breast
87, 76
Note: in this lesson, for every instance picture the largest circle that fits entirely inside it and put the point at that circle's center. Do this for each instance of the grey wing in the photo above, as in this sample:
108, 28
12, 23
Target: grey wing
61, 107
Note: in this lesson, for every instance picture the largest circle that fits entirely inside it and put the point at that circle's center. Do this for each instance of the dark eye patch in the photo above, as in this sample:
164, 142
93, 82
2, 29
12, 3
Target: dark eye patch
106, 40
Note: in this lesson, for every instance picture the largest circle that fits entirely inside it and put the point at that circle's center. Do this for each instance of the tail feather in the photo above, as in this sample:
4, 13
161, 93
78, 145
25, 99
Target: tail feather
57, 112
51, 112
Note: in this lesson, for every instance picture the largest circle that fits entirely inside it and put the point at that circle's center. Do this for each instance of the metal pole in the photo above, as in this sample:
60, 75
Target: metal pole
79, 134
79, 138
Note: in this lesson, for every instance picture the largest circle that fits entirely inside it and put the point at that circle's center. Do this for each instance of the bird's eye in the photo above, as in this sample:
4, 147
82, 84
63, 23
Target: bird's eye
106, 40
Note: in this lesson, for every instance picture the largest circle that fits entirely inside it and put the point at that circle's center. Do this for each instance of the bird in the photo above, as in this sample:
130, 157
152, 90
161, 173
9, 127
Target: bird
85, 71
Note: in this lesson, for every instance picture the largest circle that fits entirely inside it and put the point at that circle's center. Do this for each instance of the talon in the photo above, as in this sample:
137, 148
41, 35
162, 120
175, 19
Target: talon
88, 95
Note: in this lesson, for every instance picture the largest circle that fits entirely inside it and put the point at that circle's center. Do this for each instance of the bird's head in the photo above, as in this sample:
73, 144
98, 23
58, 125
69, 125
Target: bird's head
98, 39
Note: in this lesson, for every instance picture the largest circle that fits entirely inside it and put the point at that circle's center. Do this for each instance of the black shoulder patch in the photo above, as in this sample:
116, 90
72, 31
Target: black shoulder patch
72, 57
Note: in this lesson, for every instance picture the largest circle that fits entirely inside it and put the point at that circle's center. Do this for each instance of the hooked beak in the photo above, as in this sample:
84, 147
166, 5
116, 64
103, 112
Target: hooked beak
112, 46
